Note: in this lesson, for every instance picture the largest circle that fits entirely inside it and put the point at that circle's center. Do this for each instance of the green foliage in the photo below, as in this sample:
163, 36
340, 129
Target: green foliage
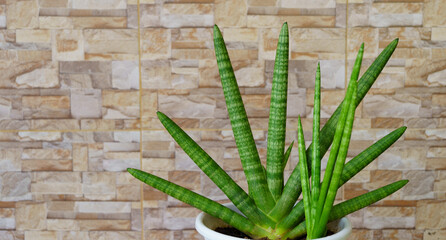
270, 209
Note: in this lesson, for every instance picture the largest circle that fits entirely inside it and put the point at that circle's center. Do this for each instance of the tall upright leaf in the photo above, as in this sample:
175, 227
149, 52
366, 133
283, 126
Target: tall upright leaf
257, 183
316, 154
326, 138
277, 116
364, 84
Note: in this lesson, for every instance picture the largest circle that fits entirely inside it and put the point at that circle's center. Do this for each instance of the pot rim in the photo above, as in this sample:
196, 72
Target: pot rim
344, 224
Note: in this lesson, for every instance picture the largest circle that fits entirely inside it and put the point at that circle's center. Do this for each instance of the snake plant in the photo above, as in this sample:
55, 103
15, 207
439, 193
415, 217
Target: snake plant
269, 208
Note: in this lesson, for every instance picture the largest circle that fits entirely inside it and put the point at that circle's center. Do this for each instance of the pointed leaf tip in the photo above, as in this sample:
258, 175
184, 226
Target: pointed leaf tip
217, 32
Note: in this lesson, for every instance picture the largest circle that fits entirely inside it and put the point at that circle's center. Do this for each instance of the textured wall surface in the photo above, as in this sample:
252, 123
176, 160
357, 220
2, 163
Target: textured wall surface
75, 112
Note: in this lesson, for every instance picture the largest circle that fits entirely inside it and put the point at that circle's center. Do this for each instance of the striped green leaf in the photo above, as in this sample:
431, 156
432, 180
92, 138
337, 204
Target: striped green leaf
364, 84
249, 156
305, 178
363, 159
277, 116
351, 168
333, 179
316, 157
339, 166
223, 181
286, 202
205, 204
352, 205
287, 154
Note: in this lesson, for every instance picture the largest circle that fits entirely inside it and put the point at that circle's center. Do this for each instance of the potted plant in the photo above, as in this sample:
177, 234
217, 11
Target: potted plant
269, 209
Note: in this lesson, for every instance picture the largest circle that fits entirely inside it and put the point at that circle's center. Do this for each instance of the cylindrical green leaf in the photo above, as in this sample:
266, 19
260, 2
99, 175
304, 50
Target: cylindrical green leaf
249, 156
343, 209
205, 204
223, 181
277, 116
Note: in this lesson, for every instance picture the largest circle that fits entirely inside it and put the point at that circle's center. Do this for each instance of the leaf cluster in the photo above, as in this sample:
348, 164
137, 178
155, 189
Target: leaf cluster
270, 208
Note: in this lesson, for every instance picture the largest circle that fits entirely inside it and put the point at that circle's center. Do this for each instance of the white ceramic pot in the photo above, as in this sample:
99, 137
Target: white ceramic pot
205, 225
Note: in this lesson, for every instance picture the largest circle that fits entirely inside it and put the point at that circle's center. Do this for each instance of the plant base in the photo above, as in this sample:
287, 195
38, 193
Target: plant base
205, 225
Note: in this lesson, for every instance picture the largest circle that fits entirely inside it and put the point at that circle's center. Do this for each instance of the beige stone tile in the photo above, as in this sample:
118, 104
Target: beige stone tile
187, 15
25, 35
42, 77
104, 225
56, 188
258, 21
434, 234
158, 234
51, 124
430, 215
16, 186
41, 235
46, 106
22, 14
118, 235
394, 217
436, 151
82, 98
187, 9
191, 106
62, 225
68, 45
438, 34
49, 154
192, 38
420, 186
156, 74
86, 4
55, 22
29, 74
99, 185
73, 235
110, 41
403, 158
394, 105
402, 234
10, 159
125, 75
184, 217
396, 14
7, 218
53, 3
195, 54
120, 104
99, 22
31, 216
159, 164
305, 4
435, 164
434, 14
237, 10
240, 34
80, 157
155, 43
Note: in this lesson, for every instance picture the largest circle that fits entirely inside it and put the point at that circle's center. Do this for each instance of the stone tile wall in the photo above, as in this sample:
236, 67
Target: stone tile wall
75, 112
